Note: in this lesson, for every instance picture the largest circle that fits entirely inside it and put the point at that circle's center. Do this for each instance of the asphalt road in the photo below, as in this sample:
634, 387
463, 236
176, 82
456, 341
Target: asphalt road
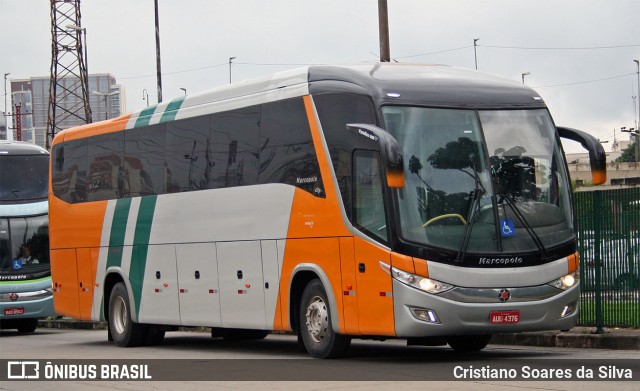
275, 363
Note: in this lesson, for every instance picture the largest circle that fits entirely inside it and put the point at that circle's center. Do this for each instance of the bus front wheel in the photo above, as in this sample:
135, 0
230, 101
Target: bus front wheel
27, 325
468, 343
124, 331
319, 338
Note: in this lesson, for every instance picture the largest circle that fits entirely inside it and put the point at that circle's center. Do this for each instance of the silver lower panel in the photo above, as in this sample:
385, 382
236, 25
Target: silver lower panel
459, 318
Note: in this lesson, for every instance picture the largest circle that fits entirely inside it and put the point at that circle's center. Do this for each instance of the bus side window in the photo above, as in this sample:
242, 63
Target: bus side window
235, 136
287, 153
75, 170
104, 156
144, 160
368, 201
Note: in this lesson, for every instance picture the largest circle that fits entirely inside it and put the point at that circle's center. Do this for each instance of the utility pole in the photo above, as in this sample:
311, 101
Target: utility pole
68, 82
158, 71
383, 28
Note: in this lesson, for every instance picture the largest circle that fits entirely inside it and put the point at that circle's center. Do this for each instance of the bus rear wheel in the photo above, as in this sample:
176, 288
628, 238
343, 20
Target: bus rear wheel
124, 331
319, 338
468, 343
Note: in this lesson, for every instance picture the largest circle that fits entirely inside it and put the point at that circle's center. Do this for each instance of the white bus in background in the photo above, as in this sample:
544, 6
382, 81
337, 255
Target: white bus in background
25, 271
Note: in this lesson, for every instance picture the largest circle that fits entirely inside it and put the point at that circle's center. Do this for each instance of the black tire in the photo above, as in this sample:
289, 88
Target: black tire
28, 325
124, 331
468, 343
319, 338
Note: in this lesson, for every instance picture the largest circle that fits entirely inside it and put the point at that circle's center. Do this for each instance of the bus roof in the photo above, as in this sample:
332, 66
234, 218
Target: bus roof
433, 85
20, 148
386, 83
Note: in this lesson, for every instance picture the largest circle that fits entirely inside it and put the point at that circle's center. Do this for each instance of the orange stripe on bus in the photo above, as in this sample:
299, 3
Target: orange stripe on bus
422, 269
94, 129
573, 262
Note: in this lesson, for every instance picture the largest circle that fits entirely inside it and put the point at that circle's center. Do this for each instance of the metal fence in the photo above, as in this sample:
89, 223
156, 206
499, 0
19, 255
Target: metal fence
609, 246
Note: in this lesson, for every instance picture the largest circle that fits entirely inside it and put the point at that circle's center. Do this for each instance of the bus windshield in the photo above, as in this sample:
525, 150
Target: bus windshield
485, 181
24, 247
23, 177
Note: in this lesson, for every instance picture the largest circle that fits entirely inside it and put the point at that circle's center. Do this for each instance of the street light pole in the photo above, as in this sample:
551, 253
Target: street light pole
230, 59
638, 73
525, 74
635, 134
106, 101
6, 121
475, 53
145, 96
184, 90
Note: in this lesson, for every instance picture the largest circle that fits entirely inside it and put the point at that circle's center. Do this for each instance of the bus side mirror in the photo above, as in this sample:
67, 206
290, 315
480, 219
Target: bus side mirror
390, 151
597, 156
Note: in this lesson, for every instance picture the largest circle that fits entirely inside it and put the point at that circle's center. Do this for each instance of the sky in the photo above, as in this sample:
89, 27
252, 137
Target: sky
578, 53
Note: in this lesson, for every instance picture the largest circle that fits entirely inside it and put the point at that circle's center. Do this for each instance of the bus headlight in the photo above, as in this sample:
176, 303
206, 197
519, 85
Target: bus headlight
567, 281
424, 284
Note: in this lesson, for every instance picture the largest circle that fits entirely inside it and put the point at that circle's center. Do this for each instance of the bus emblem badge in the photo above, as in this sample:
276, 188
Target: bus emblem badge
13, 297
504, 295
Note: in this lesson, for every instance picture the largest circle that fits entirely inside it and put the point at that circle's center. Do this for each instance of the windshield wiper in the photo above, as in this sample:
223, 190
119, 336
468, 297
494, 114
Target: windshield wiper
525, 224
475, 196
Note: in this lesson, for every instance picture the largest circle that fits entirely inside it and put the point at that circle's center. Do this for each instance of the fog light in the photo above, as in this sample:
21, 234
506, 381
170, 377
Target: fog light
425, 315
569, 309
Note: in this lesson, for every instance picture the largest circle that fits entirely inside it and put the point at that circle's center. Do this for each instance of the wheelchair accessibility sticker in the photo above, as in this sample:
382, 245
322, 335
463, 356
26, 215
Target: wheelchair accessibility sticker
507, 228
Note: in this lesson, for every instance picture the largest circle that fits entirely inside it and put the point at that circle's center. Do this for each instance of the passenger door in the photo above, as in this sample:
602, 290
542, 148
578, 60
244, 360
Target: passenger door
374, 288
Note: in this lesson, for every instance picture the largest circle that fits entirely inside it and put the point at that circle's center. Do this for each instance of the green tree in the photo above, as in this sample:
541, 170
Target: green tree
629, 154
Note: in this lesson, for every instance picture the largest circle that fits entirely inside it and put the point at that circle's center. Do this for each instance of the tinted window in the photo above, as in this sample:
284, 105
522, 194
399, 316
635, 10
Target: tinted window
368, 199
287, 153
144, 161
235, 148
24, 246
189, 152
23, 177
69, 171
335, 112
106, 173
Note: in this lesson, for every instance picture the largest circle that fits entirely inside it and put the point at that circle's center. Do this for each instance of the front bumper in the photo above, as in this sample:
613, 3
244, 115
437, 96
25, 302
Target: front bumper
459, 318
26, 300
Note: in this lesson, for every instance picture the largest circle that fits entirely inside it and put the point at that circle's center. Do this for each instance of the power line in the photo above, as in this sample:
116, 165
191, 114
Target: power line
175, 72
587, 81
561, 48
438, 52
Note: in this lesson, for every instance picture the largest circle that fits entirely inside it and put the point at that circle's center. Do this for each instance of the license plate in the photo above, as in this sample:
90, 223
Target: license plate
504, 317
14, 311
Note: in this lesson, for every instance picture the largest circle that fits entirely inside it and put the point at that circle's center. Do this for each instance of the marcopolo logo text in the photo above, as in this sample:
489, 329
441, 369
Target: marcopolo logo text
500, 261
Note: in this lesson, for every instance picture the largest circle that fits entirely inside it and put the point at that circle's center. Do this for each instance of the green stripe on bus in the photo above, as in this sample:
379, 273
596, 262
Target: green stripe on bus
145, 116
172, 110
141, 247
118, 230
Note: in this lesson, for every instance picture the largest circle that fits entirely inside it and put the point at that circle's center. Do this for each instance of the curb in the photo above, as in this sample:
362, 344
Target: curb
579, 337
624, 340
66, 323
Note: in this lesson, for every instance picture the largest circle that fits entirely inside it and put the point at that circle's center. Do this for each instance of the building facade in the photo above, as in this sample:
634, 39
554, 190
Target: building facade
106, 98
618, 174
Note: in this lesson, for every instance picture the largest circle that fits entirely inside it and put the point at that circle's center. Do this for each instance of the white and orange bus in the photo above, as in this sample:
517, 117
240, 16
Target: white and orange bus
427, 203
